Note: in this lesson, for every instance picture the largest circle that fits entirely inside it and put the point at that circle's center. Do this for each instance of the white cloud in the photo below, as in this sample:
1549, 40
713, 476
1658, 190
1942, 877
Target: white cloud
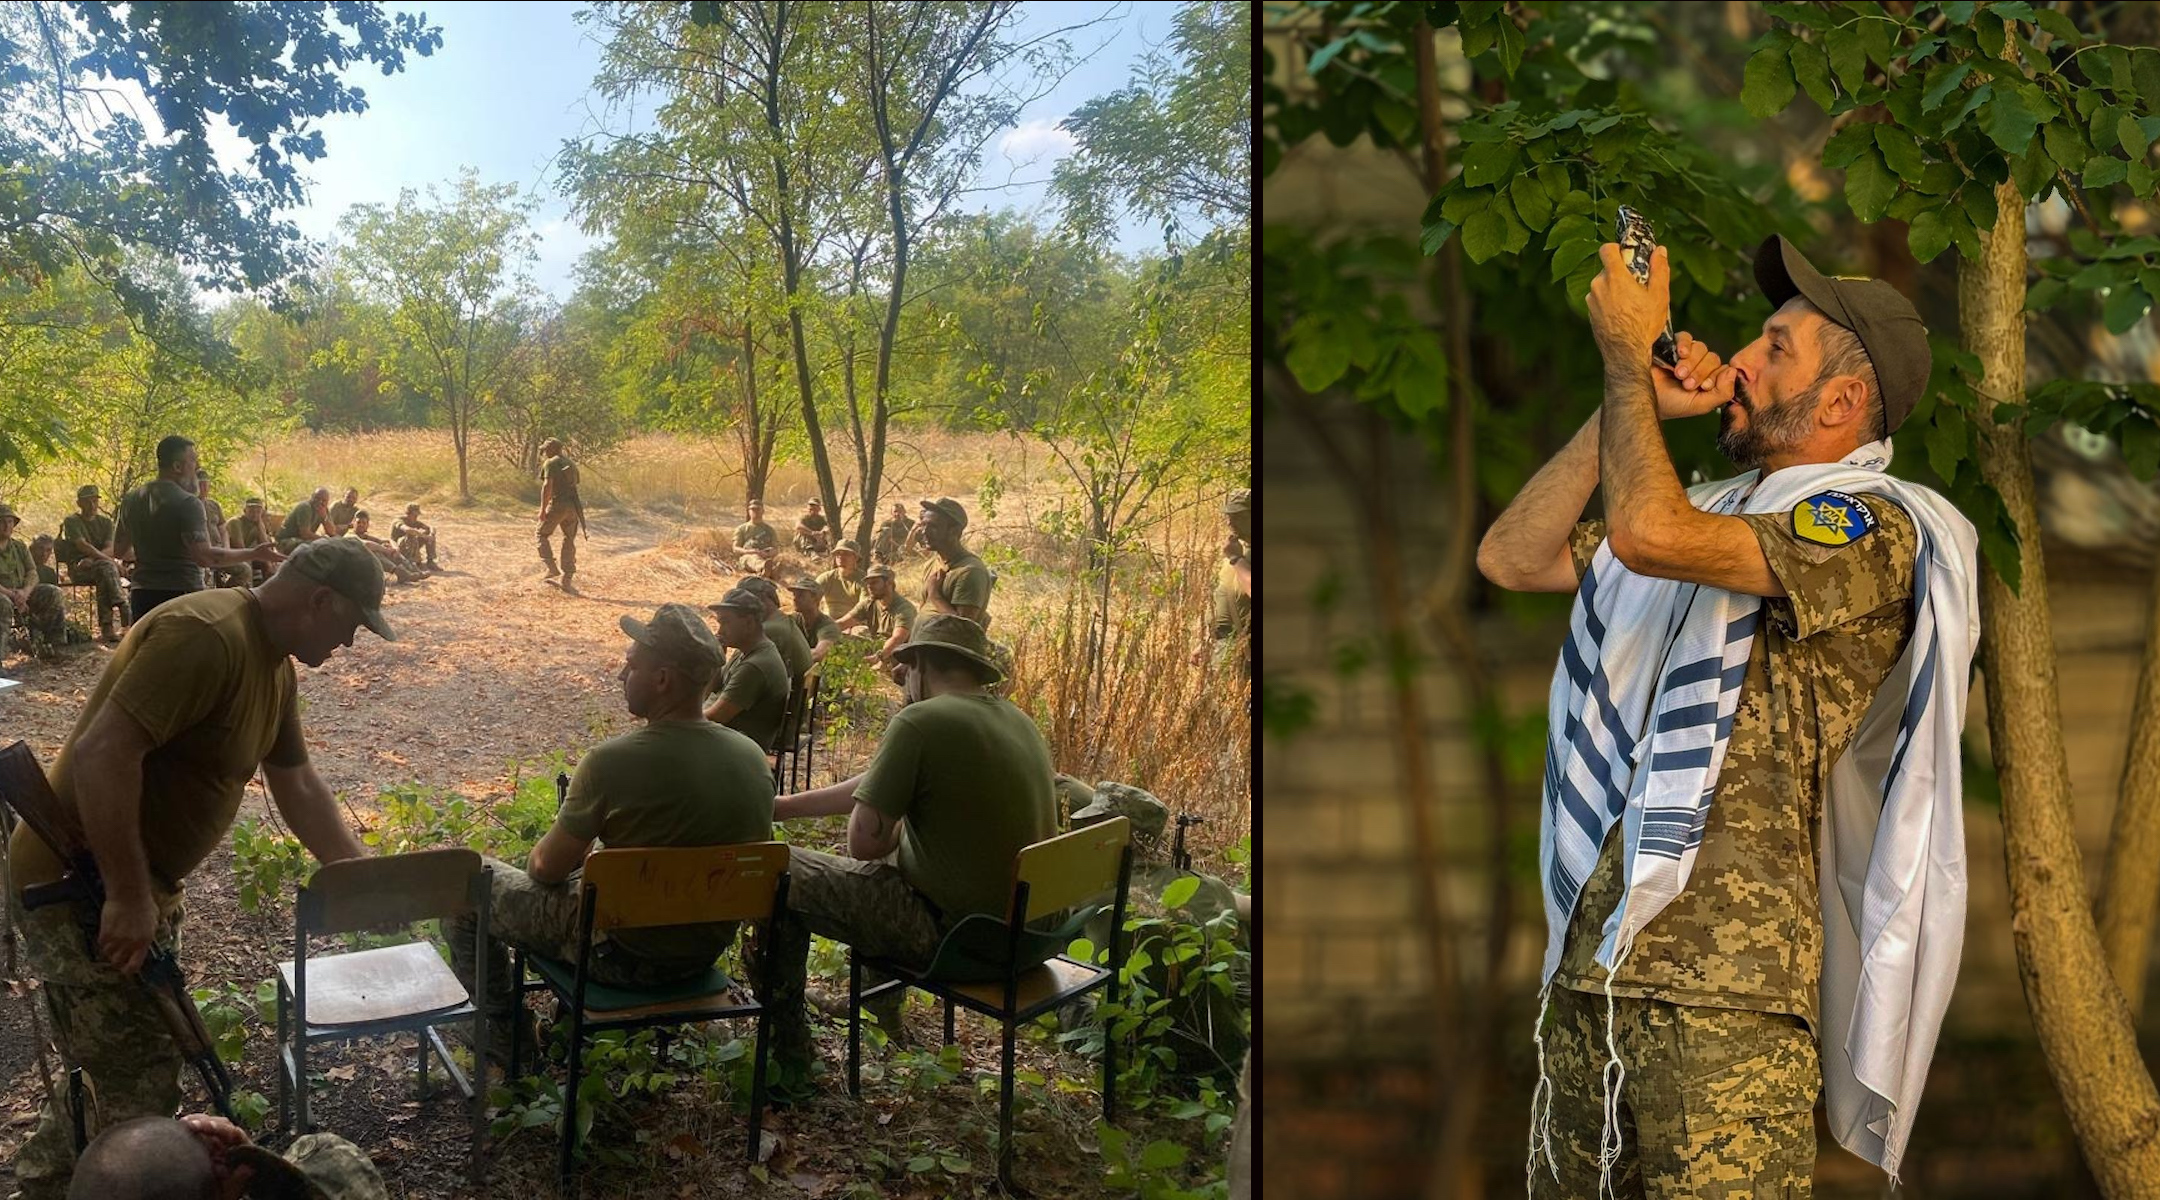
1032, 141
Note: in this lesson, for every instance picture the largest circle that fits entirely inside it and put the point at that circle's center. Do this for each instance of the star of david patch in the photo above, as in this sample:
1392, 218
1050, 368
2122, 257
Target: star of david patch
1832, 519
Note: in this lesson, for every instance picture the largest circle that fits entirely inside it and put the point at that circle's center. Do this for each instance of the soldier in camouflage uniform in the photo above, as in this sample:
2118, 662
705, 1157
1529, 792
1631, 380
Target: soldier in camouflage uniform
883, 614
23, 598
250, 528
85, 548
560, 508
415, 538
1713, 1009
755, 541
893, 536
813, 533
1230, 623
341, 513
843, 584
212, 1158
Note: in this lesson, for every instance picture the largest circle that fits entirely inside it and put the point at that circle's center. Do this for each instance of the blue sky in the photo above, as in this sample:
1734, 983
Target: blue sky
510, 83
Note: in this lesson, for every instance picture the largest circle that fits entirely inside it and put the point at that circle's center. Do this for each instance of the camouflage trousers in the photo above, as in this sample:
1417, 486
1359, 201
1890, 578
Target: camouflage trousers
45, 616
542, 918
104, 1023
418, 547
867, 905
336, 1167
1716, 1103
106, 576
568, 520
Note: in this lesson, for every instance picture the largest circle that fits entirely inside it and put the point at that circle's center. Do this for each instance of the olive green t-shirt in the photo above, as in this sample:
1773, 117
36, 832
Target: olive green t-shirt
200, 676
755, 535
822, 629
563, 473
97, 530
161, 518
787, 637
971, 777
341, 514
17, 568
882, 620
968, 580
842, 591
757, 684
301, 521
672, 783
243, 533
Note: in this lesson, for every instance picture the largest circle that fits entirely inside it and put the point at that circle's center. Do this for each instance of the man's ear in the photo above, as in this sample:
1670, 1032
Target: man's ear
1844, 401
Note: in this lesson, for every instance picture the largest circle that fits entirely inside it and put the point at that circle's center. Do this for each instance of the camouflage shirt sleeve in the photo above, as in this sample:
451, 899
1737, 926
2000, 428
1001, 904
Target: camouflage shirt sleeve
1830, 586
1583, 543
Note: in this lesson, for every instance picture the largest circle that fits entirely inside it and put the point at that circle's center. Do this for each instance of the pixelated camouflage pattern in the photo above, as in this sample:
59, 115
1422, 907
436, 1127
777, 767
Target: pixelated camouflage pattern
336, 1169
1747, 931
106, 1024
104, 576
867, 905
1716, 1103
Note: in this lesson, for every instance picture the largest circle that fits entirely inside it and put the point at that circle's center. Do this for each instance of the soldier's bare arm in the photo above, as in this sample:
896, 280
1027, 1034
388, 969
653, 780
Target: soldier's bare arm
108, 771
556, 855
871, 834
722, 710
829, 801
303, 799
1526, 550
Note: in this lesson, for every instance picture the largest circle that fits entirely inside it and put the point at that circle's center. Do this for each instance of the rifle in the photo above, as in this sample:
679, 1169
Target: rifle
1179, 857
24, 788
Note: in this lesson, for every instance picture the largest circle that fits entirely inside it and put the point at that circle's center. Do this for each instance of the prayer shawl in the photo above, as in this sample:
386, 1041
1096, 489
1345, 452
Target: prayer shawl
1641, 710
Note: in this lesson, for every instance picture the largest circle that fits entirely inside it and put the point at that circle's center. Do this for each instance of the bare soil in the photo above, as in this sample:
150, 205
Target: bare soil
492, 666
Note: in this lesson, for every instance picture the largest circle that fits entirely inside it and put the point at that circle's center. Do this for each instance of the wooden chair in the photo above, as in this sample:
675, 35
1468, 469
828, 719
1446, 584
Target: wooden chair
1015, 970
639, 889
371, 993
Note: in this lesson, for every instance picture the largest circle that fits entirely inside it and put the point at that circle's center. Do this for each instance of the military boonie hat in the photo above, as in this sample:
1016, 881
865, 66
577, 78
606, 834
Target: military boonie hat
347, 567
88, 491
803, 583
880, 571
740, 599
848, 546
678, 634
1240, 501
954, 634
1888, 326
1148, 815
948, 508
8, 514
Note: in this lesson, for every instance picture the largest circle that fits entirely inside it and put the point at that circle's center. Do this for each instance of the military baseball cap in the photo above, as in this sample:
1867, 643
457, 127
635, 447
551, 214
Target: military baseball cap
1148, 815
1240, 501
678, 634
741, 599
850, 546
955, 634
880, 571
347, 567
760, 586
949, 508
253, 500
88, 491
1888, 326
803, 583
817, 504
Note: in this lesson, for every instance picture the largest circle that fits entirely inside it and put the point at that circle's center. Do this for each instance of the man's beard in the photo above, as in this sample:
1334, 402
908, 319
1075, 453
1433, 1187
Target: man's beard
1771, 428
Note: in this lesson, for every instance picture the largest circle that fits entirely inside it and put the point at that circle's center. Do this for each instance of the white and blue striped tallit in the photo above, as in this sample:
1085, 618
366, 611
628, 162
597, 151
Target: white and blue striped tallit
1640, 712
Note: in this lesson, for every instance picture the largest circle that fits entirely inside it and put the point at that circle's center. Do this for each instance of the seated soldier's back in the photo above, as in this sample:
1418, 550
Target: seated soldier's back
673, 783
972, 777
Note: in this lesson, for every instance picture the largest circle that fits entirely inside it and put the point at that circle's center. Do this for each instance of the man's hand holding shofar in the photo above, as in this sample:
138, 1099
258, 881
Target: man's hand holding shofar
1626, 318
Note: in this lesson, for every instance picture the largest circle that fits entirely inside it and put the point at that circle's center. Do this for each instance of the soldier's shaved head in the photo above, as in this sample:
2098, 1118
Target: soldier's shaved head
150, 1158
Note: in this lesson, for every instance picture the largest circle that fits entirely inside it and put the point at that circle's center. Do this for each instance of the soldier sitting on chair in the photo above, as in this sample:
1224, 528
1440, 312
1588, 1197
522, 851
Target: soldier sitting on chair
85, 548
678, 780
816, 628
884, 615
751, 695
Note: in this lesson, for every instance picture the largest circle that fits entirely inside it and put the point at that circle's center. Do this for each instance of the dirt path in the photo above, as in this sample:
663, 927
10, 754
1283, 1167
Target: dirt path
492, 666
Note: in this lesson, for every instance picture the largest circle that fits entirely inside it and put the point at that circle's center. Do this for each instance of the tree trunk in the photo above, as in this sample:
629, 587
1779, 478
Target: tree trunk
2128, 889
755, 465
459, 434
791, 267
2085, 1029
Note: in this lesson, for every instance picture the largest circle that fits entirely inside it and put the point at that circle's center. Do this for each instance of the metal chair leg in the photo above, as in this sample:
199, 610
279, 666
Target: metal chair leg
757, 1088
1005, 1111
854, 1025
948, 1021
570, 1102
302, 1123
422, 1056
284, 1081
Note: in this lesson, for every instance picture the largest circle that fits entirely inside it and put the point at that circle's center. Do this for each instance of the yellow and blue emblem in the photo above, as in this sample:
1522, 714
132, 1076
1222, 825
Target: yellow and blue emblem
1832, 519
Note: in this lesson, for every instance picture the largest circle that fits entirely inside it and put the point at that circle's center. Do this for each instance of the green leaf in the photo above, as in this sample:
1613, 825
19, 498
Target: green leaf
1966, 107
1575, 227
2043, 295
1487, 162
1941, 178
1553, 177
1435, 235
1462, 203
2141, 179
1511, 46
1869, 185
1569, 256
2009, 123
1767, 85
1326, 54
2131, 137
2140, 443
1979, 205
2064, 145
1811, 68
1942, 79
2105, 169
1181, 890
2012, 10
2033, 171
1846, 144
1946, 441
2125, 307
1161, 1155
1960, 12
2059, 25
1901, 152
1533, 204
1477, 36
2145, 72
1317, 357
1484, 235
1929, 235
1848, 56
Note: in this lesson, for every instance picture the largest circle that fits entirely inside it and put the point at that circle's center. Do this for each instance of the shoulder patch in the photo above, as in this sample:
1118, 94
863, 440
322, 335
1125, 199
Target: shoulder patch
1833, 519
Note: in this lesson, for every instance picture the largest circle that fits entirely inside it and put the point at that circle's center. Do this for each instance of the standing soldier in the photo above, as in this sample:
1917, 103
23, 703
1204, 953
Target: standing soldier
197, 699
161, 523
561, 509
843, 584
250, 528
85, 548
883, 613
1230, 623
957, 582
415, 538
893, 536
812, 534
309, 520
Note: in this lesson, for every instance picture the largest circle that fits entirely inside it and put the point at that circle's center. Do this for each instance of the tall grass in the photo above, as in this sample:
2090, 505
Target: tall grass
1154, 718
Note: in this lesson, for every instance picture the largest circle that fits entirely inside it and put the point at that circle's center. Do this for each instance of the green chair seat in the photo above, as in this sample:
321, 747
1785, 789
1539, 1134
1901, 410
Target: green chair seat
600, 998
